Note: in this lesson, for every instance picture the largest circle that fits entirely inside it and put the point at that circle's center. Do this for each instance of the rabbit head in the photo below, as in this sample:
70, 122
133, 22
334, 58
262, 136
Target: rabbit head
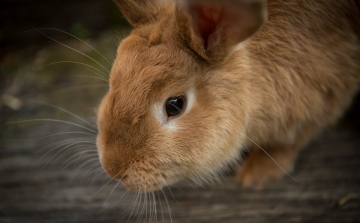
174, 109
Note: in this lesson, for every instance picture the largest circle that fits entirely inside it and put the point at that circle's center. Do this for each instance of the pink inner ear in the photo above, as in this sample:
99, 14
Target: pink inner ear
209, 18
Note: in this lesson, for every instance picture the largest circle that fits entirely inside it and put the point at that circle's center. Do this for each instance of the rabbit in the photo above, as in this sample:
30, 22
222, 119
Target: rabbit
197, 82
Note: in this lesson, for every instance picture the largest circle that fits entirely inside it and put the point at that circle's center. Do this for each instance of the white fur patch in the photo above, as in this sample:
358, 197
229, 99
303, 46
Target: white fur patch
237, 47
159, 113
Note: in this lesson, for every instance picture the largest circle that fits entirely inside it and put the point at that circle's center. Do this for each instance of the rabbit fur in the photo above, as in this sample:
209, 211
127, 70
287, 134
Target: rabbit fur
256, 74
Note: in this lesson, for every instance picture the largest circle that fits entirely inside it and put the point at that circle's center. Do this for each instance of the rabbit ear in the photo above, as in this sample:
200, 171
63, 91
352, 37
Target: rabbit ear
214, 28
140, 12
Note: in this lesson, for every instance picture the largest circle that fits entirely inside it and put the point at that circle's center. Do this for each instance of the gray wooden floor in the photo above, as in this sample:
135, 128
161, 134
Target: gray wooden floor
328, 169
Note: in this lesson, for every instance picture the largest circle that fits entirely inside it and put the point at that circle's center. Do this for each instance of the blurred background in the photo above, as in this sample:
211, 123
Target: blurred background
33, 34
55, 58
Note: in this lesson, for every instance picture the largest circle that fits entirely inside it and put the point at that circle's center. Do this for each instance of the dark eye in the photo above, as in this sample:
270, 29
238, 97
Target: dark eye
175, 106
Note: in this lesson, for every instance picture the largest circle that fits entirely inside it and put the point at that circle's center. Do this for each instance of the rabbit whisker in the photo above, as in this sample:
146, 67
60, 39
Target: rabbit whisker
52, 120
167, 204
103, 171
98, 72
81, 53
172, 193
80, 87
66, 143
282, 169
134, 205
63, 133
92, 164
68, 112
122, 197
86, 151
152, 208
112, 191
130, 208
73, 149
98, 78
143, 211
106, 77
98, 170
88, 159
137, 209
146, 207
80, 153
155, 209
66, 147
143, 197
109, 182
161, 208
49, 28
89, 172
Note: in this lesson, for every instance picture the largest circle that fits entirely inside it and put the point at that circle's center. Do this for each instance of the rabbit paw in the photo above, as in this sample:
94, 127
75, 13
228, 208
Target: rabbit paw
259, 168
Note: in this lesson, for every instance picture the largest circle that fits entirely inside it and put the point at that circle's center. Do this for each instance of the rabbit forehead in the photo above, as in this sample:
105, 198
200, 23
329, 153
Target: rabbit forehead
137, 61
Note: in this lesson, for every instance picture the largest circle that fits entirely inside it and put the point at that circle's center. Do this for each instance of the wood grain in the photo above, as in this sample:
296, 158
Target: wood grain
328, 170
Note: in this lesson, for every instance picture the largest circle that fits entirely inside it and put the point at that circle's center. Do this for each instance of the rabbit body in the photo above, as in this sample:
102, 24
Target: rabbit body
267, 76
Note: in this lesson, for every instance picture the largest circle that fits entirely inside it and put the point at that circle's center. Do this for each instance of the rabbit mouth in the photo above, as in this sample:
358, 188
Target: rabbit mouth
139, 176
143, 180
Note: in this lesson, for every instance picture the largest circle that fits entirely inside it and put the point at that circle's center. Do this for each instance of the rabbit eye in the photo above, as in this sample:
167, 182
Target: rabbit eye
175, 106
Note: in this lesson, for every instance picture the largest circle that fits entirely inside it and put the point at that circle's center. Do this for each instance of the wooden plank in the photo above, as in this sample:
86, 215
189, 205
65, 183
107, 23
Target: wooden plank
328, 170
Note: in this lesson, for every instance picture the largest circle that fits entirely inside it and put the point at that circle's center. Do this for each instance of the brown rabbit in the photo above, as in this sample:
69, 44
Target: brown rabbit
198, 81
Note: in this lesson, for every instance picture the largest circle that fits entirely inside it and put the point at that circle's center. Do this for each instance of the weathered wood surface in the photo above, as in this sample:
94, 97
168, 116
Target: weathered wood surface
328, 169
